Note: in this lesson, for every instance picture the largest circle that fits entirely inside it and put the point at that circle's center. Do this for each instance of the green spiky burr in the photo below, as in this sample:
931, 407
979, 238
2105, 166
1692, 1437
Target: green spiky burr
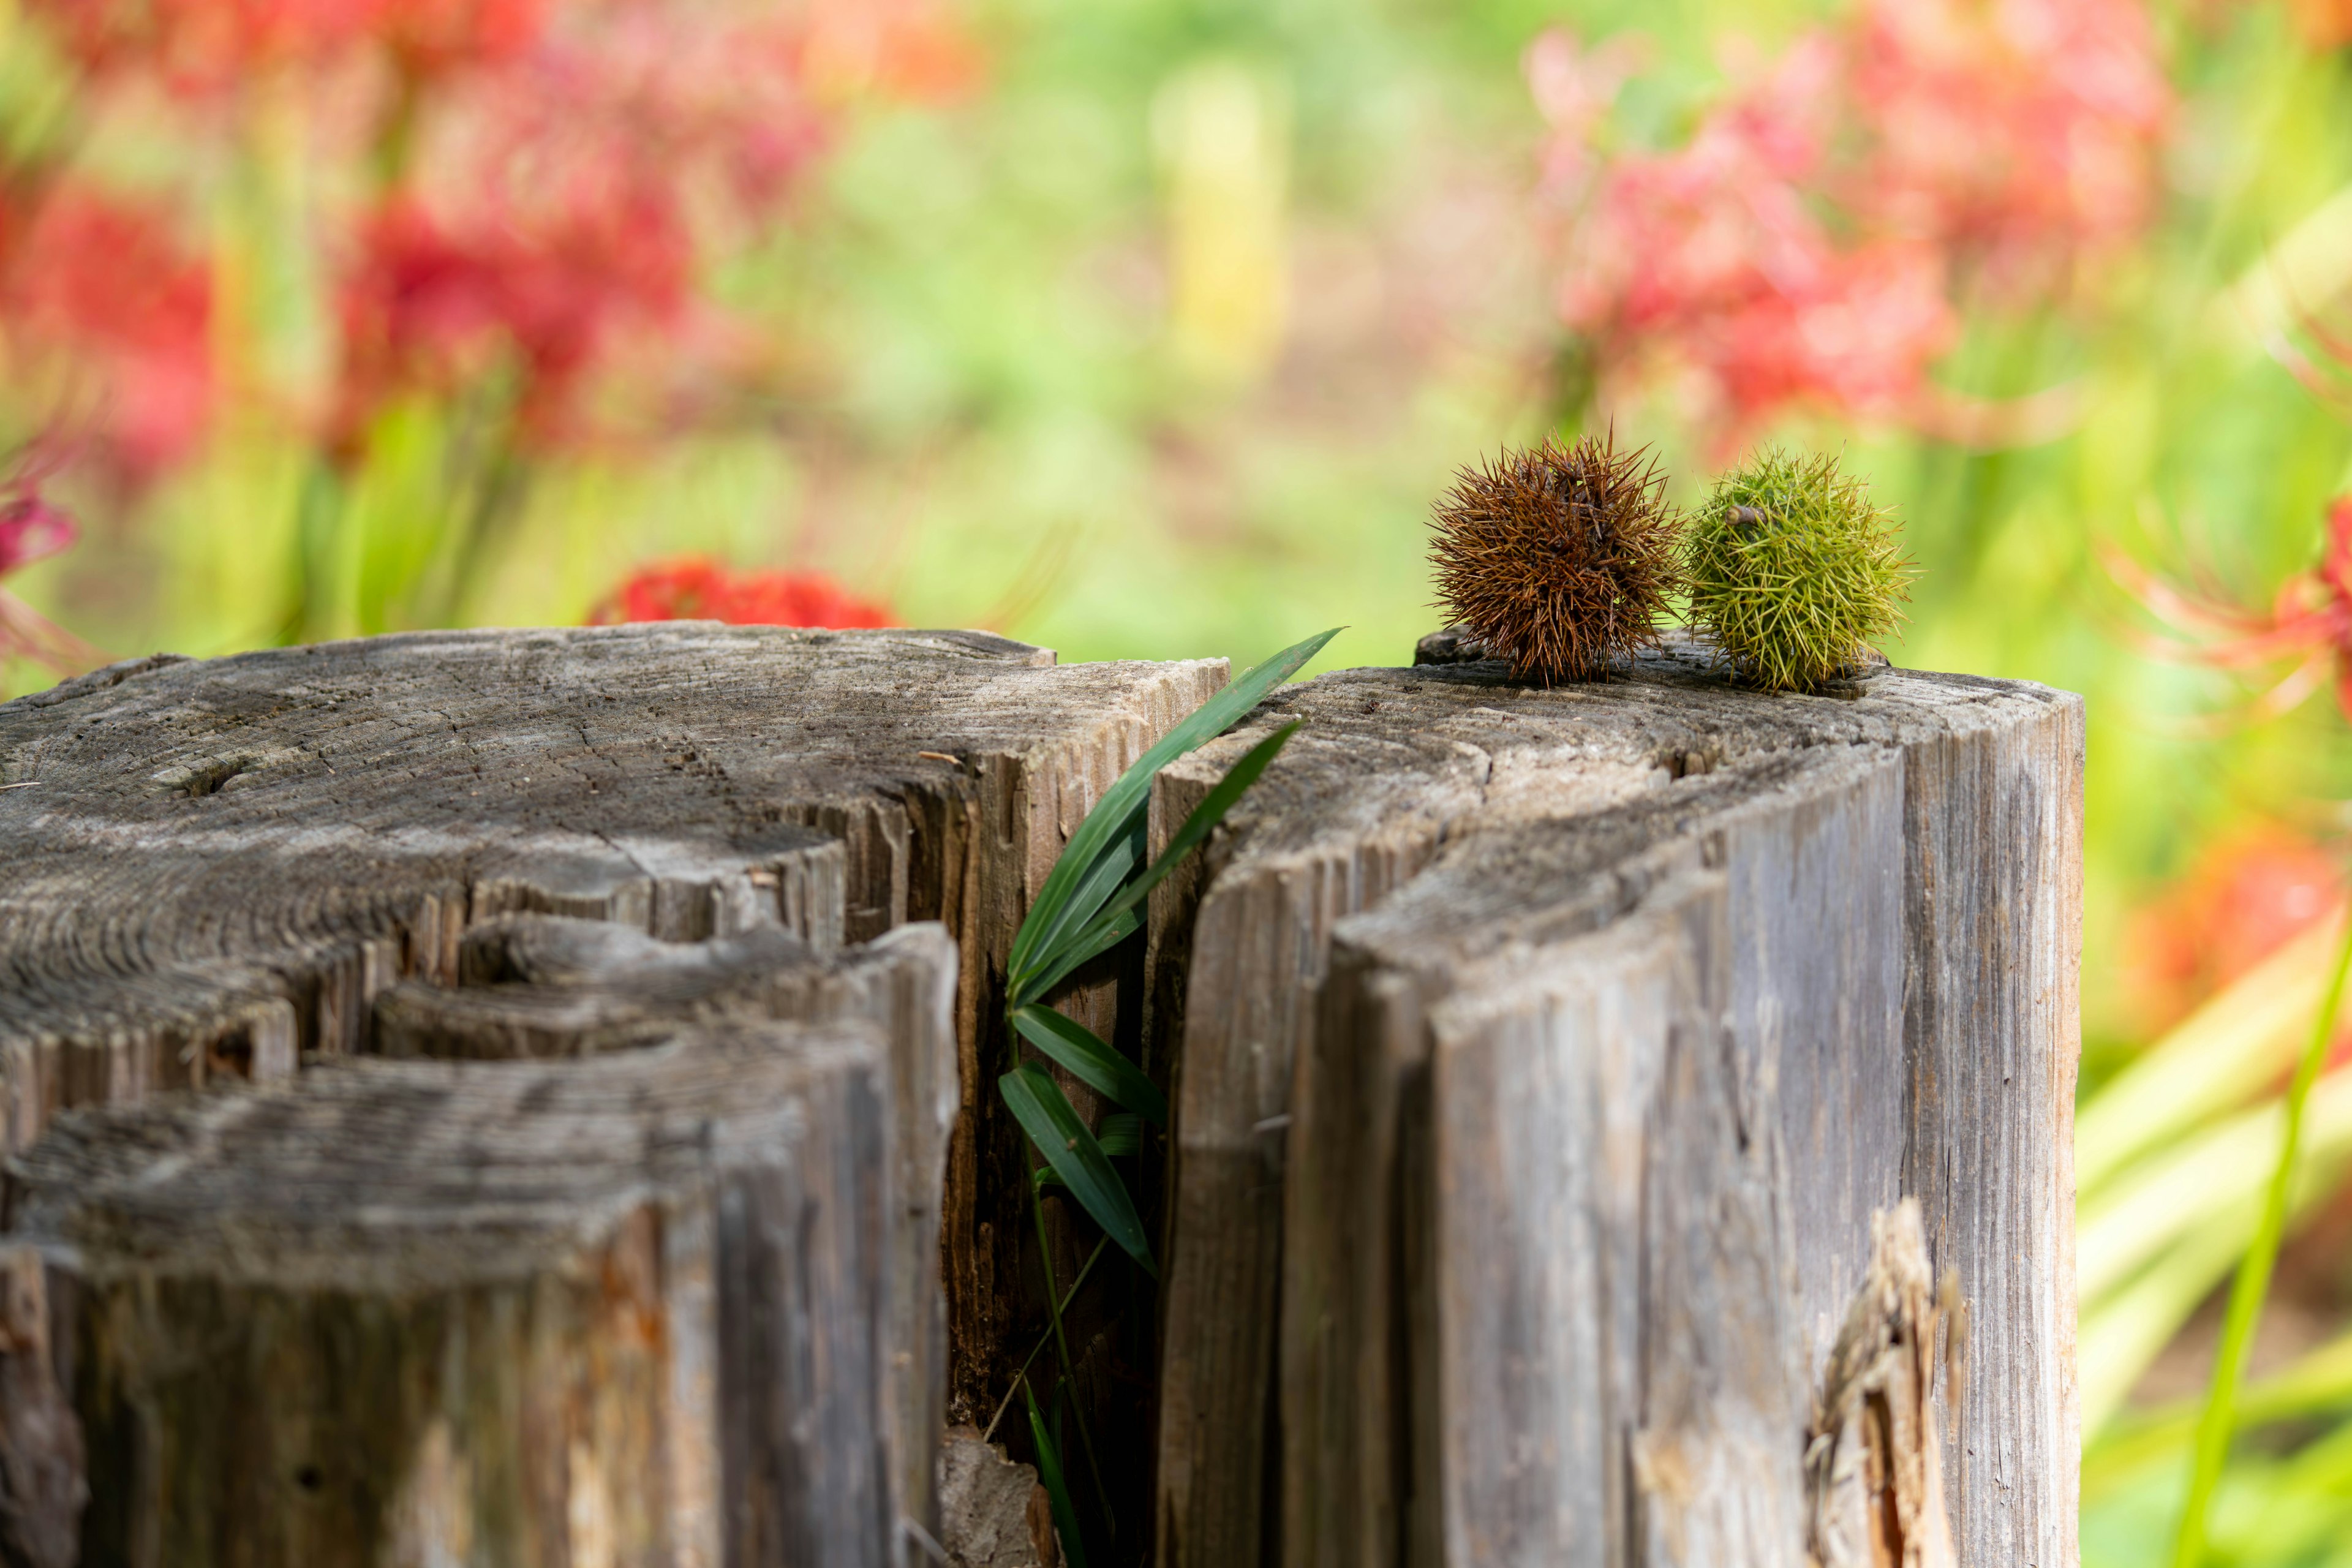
1793, 572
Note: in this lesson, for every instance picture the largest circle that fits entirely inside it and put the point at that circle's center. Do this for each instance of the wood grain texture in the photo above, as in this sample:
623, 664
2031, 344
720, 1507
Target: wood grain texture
542, 986
217, 867
624, 1310
1602, 1020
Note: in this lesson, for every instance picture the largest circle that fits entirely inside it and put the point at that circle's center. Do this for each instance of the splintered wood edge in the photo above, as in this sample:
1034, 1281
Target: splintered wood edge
397, 1176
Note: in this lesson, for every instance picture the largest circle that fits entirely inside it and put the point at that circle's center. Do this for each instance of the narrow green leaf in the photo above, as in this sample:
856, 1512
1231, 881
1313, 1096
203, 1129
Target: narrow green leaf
1057, 1488
1044, 927
1092, 1060
1120, 1135
1120, 812
1096, 941
1201, 822
1038, 1104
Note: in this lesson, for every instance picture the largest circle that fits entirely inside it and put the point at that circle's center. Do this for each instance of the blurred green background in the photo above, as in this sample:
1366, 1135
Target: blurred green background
1151, 328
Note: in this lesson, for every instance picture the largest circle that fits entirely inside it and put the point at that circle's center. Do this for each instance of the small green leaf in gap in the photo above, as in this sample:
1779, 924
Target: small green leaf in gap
1096, 941
1058, 915
1044, 1114
1093, 1061
1200, 822
1119, 813
1120, 1135
1057, 1488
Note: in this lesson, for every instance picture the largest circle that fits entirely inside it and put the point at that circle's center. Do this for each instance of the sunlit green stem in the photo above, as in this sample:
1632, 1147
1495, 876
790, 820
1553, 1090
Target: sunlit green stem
1061, 1349
2216, 1423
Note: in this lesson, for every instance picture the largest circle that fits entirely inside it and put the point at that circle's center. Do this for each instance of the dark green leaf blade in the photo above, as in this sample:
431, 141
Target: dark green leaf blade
1098, 939
1121, 1135
1118, 814
1038, 1104
1092, 1060
1200, 824
1044, 930
1057, 1487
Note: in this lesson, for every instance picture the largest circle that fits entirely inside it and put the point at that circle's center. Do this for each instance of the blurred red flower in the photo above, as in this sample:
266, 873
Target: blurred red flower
210, 44
2018, 133
696, 588
98, 282
2245, 898
2309, 620
564, 209
1804, 245
33, 527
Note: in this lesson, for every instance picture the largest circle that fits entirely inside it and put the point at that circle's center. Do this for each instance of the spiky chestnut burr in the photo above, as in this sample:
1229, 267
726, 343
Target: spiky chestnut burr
1561, 559
1792, 570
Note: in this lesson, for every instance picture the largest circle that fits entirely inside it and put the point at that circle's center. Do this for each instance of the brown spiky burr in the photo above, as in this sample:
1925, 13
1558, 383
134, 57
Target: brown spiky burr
1560, 557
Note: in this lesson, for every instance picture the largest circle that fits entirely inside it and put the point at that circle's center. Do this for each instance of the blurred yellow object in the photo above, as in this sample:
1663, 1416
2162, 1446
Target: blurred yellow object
2213, 1061
1221, 130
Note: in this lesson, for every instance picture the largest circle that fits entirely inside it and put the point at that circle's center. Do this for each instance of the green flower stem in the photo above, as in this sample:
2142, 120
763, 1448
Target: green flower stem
1069, 1296
1061, 1349
2218, 1421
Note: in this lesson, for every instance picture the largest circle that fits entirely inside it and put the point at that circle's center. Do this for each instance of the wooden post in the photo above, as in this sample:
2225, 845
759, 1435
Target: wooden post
626, 1310
214, 868
541, 986
1547, 1059
218, 872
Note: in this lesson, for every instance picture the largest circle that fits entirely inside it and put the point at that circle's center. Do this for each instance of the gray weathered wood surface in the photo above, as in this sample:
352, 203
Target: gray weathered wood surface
624, 1310
540, 986
1545, 1058
215, 867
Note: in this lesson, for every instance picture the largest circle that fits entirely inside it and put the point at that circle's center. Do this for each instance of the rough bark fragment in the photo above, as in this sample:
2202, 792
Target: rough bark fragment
994, 1512
1874, 1465
624, 1310
1613, 1015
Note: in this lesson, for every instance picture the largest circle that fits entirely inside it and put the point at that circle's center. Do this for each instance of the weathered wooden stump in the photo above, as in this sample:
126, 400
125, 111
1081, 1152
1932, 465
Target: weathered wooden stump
541, 986
219, 871
627, 1310
1544, 1058
1591, 1108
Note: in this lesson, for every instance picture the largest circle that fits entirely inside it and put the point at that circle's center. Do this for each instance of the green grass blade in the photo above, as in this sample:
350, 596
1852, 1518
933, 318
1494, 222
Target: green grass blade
1199, 825
1120, 812
1093, 1061
1057, 1487
1033, 943
1100, 938
1120, 1135
2218, 1421
1038, 1104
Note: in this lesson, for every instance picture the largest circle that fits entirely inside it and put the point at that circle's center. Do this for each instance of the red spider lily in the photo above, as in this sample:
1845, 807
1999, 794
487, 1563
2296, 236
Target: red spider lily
2018, 132
210, 44
2247, 896
427, 304
1803, 245
2309, 621
696, 588
554, 223
100, 282
32, 527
